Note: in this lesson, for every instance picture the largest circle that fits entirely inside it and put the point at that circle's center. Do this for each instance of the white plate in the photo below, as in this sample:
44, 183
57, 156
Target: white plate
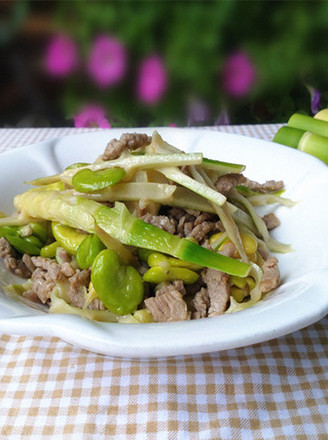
301, 300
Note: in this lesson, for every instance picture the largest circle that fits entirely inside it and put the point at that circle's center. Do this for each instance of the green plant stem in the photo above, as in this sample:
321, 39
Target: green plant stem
288, 136
307, 123
315, 145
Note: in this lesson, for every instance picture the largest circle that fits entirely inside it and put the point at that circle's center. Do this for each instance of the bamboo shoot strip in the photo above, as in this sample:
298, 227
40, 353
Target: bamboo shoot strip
222, 167
204, 190
128, 162
81, 213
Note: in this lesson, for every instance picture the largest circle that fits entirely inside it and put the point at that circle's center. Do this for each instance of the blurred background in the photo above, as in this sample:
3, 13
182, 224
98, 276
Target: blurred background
156, 63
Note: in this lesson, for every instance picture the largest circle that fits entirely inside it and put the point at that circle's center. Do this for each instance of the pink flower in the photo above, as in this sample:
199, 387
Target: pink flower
152, 80
92, 116
107, 61
61, 57
238, 75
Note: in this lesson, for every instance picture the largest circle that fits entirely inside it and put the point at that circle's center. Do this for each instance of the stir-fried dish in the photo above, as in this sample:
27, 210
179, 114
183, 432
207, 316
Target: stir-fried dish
145, 233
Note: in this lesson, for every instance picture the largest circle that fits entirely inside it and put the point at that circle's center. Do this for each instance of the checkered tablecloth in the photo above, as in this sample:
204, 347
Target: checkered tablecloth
274, 390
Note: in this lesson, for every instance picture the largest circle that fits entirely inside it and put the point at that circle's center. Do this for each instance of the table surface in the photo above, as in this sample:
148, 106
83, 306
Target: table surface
273, 390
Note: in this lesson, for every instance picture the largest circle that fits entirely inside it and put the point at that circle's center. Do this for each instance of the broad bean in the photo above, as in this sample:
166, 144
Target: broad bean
87, 180
158, 259
49, 251
23, 246
73, 166
158, 274
120, 287
87, 251
67, 237
249, 242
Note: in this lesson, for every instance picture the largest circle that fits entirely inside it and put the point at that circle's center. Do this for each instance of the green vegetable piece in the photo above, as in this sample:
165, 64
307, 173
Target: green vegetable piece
157, 259
67, 237
40, 231
288, 136
27, 245
87, 180
307, 123
223, 167
130, 230
87, 251
144, 254
119, 287
158, 274
56, 186
23, 246
8, 230
17, 288
33, 240
73, 166
49, 251
315, 145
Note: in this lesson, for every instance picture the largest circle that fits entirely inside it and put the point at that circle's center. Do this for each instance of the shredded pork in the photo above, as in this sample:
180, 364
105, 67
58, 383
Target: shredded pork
271, 275
271, 221
128, 141
47, 273
226, 183
168, 304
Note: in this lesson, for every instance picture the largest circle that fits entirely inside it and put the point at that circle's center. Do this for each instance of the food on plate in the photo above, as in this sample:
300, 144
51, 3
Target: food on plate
145, 233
